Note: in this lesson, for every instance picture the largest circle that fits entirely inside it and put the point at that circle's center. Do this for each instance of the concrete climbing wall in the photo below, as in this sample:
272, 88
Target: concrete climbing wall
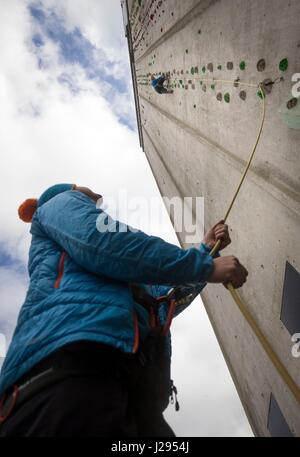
198, 140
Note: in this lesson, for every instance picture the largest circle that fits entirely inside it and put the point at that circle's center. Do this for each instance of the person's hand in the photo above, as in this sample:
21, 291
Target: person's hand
228, 270
218, 232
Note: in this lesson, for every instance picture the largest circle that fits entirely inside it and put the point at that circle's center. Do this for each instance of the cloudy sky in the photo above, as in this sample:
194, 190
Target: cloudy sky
67, 115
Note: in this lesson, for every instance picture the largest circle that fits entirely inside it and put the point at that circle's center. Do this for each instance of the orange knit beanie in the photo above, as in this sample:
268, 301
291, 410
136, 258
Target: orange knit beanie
27, 209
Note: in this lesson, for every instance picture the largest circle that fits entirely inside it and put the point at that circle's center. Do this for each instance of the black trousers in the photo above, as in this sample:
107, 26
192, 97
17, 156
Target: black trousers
102, 404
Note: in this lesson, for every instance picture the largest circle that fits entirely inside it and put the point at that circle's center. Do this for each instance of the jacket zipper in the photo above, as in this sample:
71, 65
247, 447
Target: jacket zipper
60, 270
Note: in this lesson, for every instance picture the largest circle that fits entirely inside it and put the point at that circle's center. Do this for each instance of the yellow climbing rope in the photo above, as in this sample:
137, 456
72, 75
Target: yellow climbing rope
236, 297
263, 97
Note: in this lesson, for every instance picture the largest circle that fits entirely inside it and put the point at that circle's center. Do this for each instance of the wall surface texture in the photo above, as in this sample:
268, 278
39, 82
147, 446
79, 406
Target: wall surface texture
198, 140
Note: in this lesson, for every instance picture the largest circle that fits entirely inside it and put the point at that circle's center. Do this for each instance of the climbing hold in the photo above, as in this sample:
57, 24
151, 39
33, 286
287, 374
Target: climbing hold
229, 65
210, 67
292, 103
219, 97
213, 87
267, 86
242, 65
186, 51
283, 65
192, 70
243, 95
195, 106
261, 93
261, 65
203, 69
219, 67
196, 70
186, 87
199, 32
227, 97
204, 87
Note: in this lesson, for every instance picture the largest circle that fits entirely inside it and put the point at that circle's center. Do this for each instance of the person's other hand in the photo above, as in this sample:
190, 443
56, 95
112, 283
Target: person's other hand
228, 270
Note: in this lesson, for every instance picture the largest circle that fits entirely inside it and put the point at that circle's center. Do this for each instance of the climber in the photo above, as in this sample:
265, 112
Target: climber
158, 85
89, 356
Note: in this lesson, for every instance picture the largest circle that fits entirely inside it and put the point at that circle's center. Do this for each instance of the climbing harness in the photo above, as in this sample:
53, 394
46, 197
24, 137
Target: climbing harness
152, 351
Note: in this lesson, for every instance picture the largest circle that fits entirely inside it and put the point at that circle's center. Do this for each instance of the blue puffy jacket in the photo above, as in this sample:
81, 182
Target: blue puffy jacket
80, 277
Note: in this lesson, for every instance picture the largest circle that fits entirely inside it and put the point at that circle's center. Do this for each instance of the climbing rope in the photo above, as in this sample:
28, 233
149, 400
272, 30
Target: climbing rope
281, 369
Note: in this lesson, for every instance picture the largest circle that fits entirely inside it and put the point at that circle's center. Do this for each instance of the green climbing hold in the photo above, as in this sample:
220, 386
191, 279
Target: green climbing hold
243, 65
227, 97
213, 87
219, 67
203, 69
283, 65
261, 94
192, 70
201, 82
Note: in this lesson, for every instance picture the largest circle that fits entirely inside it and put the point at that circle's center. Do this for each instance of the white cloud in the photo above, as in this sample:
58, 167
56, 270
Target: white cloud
49, 135
12, 292
99, 22
75, 138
